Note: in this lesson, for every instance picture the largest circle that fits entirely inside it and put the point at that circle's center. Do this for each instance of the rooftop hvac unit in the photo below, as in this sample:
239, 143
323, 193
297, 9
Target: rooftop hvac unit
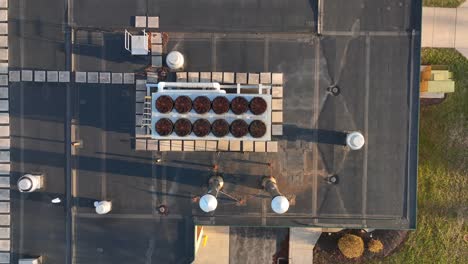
204, 111
137, 44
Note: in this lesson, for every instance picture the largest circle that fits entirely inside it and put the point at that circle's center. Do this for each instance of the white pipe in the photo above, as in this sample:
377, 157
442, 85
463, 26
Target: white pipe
214, 85
127, 40
208, 203
245, 86
146, 43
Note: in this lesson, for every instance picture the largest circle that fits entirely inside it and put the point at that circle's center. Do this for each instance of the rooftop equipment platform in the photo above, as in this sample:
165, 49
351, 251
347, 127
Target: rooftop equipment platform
214, 91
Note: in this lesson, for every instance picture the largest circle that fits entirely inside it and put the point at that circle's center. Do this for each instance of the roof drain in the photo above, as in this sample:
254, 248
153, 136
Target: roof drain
332, 179
334, 90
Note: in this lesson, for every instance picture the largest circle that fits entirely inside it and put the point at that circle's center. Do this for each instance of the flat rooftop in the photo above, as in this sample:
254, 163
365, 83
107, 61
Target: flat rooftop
370, 49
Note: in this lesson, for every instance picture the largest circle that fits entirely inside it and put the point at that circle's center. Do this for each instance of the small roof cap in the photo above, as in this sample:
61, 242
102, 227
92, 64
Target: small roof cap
103, 207
355, 140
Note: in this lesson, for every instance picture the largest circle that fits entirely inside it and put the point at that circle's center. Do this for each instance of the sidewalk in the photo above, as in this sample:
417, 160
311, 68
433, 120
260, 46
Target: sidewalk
446, 28
216, 250
301, 244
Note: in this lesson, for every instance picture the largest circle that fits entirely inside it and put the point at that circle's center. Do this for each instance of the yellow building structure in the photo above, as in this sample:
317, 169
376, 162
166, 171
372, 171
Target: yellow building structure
436, 81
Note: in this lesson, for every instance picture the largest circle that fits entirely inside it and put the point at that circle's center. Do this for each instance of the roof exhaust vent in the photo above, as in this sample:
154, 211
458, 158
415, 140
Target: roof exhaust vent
332, 179
175, 60
355, 140
103, 207
30, 183
334, 90
279, 203
208, 202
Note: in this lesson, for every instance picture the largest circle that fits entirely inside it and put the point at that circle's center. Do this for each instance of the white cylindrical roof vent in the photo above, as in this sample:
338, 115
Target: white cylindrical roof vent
208, 203
355, 140
103, 207
175, 60
280, 204
25, 184
29, 183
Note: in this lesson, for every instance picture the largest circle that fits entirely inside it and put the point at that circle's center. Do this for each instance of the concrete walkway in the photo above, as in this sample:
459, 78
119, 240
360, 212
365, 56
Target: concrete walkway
301, 244
446, 28
216, 250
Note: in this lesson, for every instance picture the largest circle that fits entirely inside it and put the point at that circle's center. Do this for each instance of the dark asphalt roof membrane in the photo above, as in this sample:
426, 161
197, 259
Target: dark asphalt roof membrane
370, 49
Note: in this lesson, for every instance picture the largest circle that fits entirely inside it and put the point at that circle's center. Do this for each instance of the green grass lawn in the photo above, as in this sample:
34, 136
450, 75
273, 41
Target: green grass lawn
443, 173
443, 3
